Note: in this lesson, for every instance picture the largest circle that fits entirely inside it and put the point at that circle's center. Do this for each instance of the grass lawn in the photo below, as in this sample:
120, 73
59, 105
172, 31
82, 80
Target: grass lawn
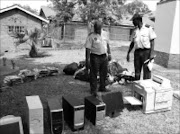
130, 121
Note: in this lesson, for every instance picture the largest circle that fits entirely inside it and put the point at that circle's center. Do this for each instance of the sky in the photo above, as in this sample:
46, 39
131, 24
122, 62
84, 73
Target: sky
36, 4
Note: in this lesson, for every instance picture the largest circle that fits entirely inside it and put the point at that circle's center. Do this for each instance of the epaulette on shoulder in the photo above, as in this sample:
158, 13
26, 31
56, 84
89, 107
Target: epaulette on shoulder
90, 33
104, 29
147, 25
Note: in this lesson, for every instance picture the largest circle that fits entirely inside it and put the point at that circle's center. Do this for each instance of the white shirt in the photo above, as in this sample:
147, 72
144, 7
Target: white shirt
143, 36
97, 43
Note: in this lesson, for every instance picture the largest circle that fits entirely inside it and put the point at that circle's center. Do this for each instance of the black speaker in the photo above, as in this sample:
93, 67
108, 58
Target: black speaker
94, 109
56, 115
114, 102
73, 112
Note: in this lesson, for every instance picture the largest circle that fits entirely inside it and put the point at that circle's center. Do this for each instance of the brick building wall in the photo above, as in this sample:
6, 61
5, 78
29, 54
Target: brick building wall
15, 17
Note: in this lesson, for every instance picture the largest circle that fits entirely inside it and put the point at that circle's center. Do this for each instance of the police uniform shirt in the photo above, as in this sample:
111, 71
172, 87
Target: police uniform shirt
142, 37
97, 43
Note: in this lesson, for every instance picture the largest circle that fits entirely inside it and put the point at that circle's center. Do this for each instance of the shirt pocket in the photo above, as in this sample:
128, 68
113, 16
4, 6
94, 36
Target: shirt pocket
145, 38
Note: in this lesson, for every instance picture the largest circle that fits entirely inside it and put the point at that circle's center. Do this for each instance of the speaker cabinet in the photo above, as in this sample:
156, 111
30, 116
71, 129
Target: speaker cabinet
114, 102
73, 112
56, 115
94, 109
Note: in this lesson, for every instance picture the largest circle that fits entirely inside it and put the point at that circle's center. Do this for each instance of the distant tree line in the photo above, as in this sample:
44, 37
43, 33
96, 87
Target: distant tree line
111, 11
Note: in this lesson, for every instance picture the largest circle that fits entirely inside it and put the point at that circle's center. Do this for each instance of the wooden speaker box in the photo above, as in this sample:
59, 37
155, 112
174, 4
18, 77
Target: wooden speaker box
56, 115
73, 112
95, 110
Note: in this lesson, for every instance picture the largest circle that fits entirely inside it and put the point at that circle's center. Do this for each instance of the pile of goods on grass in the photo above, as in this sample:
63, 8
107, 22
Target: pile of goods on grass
116, 73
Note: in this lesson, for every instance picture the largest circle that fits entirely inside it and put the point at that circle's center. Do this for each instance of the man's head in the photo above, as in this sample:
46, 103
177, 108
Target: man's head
137, 19
97, 27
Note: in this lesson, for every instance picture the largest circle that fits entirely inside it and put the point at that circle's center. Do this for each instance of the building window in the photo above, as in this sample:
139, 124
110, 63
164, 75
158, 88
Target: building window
11, 28
17, 29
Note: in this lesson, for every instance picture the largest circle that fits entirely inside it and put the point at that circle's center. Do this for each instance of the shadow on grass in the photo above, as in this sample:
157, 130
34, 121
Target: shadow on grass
39, 55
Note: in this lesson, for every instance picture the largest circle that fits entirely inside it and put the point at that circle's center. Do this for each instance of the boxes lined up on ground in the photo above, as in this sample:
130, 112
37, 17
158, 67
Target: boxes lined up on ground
43, 72
46, 71
53, 70
26, 75
12, 80
154, 94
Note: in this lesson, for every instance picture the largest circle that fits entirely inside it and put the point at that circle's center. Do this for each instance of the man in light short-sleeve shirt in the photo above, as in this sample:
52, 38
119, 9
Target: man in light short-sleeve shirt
97, 55
143, 42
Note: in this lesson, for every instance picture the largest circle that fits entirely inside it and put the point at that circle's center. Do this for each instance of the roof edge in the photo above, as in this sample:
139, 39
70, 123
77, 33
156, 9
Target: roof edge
24, 10
163, 2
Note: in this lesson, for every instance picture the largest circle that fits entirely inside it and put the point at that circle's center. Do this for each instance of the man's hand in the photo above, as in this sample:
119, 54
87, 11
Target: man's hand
87, 65
130, 48
128, 57
109, 57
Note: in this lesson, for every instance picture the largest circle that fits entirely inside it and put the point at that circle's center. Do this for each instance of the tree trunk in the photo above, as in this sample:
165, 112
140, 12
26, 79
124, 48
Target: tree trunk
33, 52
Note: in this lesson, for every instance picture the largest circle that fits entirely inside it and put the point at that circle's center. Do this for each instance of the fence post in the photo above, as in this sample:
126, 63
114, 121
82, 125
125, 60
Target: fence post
4, 61
13, 64
64, 33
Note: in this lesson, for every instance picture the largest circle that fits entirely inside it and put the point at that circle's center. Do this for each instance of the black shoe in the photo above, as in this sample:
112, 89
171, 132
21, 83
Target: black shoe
104, 90
93, 93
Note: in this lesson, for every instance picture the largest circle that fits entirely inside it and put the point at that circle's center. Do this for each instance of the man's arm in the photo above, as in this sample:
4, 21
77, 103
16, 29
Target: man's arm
130, 48
151, 49
109, 52
87, 58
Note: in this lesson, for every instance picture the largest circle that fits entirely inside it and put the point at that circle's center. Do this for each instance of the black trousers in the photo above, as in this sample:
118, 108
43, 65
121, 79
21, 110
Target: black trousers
140, 56
98, 64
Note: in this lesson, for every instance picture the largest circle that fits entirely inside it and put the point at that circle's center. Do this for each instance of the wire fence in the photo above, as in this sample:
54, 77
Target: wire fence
74, 36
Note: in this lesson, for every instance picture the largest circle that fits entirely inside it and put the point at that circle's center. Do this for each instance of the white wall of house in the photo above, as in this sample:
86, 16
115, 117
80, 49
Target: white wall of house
175, 35
167, 27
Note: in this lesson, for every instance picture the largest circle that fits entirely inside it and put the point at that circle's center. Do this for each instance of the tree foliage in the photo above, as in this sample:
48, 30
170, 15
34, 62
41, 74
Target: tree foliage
136, 6
108, 9
28, 8
87, 9
64, 10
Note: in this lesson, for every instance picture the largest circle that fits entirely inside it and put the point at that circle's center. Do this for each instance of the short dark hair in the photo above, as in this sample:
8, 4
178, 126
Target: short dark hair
97, 27
137, 17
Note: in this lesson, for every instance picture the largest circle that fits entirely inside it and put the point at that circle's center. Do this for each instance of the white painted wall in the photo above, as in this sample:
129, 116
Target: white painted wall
164, 25
175, 35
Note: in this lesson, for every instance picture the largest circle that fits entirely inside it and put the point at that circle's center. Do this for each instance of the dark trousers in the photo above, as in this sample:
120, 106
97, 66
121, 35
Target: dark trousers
98, 64
140, 56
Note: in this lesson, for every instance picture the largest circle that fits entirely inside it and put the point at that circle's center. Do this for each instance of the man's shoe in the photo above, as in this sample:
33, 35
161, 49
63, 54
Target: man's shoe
93, 93
104, 90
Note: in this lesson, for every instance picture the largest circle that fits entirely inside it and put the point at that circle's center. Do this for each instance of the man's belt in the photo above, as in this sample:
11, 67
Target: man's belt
142, 49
